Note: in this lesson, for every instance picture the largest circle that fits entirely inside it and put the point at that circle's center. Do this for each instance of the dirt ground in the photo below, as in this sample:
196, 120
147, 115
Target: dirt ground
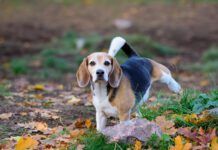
25, 29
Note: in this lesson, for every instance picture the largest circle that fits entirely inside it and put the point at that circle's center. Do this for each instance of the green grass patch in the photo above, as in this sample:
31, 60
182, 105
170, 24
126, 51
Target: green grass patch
4, 130
19, 66
56, 63
4, 90
191, 102
210, 55
93, 140
162, 143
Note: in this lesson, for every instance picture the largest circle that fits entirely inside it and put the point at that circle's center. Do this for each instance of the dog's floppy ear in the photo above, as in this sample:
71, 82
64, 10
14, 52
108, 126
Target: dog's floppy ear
83, 75
115, 74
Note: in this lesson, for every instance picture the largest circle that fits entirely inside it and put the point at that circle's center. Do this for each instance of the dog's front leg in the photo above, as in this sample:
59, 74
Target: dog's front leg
124, 116
101, 120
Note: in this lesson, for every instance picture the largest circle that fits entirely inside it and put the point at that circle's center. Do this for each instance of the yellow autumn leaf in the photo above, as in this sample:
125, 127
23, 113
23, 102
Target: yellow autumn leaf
26, 143
193, 118
179, 145
187, 146
39, 96
214, 143
39, 87
88, 123
138, 145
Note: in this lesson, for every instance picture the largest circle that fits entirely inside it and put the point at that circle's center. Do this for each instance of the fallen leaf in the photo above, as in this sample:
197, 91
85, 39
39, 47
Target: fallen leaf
80, 147
5, 116
88, 123
41, 126
199, 136
39, 87
74, 101
193, 118
23, 113
201, 131
79, 123
26, 143
39, 96
138, 145
214, 143
187, 133
28, 103
166, 125
77, 132
45, 113
187, 146
179, 144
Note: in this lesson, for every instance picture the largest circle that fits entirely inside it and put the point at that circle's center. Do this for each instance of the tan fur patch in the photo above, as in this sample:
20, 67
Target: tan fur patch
158, 70
124, 99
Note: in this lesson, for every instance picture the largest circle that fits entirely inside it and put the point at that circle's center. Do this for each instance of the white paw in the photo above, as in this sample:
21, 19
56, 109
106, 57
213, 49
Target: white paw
99, 129
174, 86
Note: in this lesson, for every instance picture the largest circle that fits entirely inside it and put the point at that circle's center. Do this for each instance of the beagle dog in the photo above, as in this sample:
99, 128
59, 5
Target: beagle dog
118, 89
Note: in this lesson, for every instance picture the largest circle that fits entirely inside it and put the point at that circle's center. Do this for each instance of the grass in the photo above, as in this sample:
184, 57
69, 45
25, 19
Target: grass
210, 55
19, 66
191, 102
162, 143
93, 140
4, 90
4, 130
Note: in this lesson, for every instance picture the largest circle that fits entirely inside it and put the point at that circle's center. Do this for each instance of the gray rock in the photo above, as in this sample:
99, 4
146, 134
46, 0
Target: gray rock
141, 129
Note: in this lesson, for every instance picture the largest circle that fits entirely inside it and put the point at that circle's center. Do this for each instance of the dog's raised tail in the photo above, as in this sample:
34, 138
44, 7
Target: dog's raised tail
120, 43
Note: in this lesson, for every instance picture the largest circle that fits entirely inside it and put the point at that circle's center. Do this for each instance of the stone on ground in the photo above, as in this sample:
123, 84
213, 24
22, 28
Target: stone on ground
141, 129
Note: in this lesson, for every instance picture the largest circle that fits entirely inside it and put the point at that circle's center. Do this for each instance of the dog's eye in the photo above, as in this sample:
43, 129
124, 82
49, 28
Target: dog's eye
92, 63
106, 63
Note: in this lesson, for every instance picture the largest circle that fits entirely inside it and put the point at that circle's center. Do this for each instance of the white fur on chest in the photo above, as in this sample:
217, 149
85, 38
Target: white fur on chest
101, 100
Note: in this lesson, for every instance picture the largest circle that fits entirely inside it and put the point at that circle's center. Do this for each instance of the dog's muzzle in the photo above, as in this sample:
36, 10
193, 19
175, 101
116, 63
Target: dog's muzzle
100, 74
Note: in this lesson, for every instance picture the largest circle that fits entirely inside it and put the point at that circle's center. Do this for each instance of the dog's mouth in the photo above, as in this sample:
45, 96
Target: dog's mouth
100, 78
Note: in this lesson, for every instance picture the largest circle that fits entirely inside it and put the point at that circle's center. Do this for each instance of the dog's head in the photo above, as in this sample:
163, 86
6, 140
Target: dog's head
99, 67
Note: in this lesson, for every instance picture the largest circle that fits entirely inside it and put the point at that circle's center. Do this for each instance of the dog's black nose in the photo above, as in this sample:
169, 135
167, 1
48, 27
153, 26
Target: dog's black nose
99, 72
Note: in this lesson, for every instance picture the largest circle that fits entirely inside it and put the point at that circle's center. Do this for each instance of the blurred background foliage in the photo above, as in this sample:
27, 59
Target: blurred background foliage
48, 39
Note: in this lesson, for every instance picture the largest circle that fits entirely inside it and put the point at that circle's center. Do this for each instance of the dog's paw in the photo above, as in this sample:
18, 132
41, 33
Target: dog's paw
174, 86
99, 129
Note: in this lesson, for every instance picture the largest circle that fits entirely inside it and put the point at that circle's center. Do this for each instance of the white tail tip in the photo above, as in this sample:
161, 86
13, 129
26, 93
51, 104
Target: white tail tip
116, 44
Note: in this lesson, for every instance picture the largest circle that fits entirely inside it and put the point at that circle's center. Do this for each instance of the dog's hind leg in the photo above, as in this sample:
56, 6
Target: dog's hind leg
163, 74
